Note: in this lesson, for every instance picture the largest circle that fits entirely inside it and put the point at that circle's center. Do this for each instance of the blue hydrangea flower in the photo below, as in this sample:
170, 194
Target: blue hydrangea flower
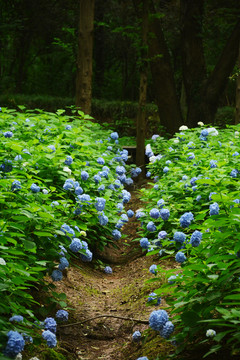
142, 358
196, 238
57, 275
114, 135
6, 166
16, 185
198, 198
52, 148
116, 234
179, 237
120, 170
84, 175
108, 270
162, 234
84, 245
103, 219
135, 172
119, 207
15, 344
153, 298
35, 188
148, 174
186, 219
139, 214
144, 243
154, 213
136, 336
193, 181
156, 187
151, 226
16, 318
165, 170
101, 188
234, 173
214, 209
171, 279
164, 213
236, 153
158, 319
87, 257
167, 330
75, 245
62, 315
84, 198
78, 190
69, 160
124, 218
68, 127
160, 203
100, 161
97, 179
8, 134
18, 158
130, 213
126, 196
210, 333
67, 229
204, 132
100, 204
153, 269
180, 257
63, 264
50, 338
50, 324
213, 164
191, 156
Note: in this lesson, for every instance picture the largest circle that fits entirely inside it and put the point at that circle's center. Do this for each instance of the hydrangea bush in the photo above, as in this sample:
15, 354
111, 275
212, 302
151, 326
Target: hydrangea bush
61, 178
198, 229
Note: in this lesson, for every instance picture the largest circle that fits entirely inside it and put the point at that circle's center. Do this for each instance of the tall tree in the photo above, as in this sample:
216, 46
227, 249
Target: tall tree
163, 76
141, 116
203, 88
84, 59
237, 113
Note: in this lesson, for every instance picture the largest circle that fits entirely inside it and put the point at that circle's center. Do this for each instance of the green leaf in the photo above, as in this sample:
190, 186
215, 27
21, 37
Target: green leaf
29, 245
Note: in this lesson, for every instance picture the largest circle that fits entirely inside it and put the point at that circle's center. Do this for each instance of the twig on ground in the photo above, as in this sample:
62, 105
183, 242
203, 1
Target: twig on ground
111, 316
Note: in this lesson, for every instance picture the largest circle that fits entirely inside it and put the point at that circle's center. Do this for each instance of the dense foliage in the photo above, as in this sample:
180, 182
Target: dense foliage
192, 214
61, 196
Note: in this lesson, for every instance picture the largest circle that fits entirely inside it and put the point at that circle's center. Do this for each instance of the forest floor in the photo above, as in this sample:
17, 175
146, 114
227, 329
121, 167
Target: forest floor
92, 293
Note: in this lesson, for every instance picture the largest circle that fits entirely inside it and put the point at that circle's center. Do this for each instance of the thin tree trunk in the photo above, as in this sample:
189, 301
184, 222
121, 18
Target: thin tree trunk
237, 113
163, 78
84, 60
141, 116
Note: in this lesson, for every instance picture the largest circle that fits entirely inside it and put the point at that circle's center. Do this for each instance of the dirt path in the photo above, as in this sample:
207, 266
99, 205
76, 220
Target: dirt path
123, 293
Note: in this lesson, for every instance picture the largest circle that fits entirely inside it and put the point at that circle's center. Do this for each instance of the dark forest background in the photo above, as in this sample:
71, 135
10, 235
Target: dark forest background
191, 59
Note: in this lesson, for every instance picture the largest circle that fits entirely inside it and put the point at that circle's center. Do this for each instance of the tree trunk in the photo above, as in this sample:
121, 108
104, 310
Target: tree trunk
203, 93
141, 116
193, 62
84, 59
237, 113
163, 78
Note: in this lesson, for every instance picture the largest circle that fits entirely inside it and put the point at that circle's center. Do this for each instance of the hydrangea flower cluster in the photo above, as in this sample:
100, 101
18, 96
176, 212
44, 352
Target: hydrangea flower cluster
108, 270
15, 344
153, 298
50, 337
179, 237
214, 209
136, 336
186, 219
62, 315
180, 257
196, 238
